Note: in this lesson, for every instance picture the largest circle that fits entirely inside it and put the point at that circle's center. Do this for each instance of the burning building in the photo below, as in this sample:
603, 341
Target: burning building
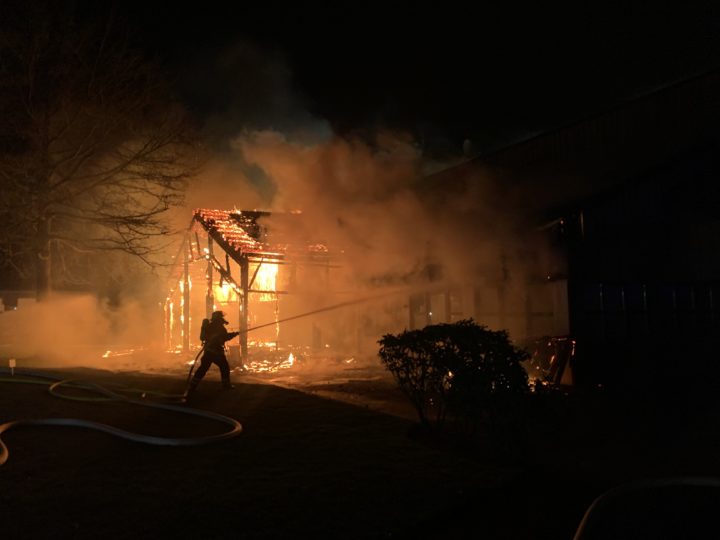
251, 265
229, 261
534, 238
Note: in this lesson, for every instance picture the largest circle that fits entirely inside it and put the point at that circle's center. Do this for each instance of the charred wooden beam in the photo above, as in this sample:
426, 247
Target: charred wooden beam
209, 296
244, 271
197, 243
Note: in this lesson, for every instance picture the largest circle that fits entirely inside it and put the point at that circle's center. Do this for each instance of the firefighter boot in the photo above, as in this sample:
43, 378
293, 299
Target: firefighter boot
192, 386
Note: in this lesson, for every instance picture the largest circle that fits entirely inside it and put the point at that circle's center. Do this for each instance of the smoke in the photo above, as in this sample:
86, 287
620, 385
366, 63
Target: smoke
243, 88
77, 330
223, 183
368, 202
365, 198
355, 198
246, 87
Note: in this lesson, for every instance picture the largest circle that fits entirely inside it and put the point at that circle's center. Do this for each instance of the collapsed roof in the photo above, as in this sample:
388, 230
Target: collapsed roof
245, 234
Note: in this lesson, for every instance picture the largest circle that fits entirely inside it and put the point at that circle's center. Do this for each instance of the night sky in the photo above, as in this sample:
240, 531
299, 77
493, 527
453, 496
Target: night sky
442, 71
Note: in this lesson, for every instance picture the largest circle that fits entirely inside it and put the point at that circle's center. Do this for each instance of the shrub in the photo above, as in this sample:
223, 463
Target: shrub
462, 369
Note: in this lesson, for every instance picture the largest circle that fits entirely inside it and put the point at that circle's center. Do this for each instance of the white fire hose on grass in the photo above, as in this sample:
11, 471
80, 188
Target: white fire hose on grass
28, 377
109, 395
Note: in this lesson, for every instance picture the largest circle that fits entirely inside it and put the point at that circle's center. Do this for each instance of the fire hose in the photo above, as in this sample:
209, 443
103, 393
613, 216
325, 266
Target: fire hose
109, 395
105, 394
192, 366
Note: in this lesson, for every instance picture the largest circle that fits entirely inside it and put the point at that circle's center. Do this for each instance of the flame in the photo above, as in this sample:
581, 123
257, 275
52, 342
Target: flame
267, 362
266, 280
171, 310
224, 293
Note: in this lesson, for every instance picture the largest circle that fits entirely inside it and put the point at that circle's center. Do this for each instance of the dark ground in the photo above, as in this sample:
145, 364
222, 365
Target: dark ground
308, 466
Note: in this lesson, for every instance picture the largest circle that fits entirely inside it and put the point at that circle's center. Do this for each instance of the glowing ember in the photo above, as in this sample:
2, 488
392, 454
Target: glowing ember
119, 353
267, 362
266, 344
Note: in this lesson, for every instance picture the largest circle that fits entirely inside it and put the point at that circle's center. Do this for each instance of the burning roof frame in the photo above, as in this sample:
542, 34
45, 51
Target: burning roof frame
245, 241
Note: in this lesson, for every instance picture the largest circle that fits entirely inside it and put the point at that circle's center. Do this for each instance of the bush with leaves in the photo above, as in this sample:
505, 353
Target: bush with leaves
462, 370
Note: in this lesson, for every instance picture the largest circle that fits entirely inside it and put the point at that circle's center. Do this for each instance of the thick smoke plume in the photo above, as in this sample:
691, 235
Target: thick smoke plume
387, 225
79, 330
371, 203
366, 199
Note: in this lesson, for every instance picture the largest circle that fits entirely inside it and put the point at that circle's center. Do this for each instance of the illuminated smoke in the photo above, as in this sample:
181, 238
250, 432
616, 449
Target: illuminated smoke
363, 198
80, 330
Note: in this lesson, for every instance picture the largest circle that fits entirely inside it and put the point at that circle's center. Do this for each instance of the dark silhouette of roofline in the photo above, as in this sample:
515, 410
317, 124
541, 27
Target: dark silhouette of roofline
624, 104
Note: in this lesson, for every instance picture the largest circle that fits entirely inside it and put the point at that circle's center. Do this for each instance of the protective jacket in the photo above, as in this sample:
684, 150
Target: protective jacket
216, 336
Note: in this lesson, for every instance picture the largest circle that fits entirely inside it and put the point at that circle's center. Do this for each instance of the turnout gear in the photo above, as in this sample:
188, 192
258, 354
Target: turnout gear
214, 318
214, 335
218, 316
203, 330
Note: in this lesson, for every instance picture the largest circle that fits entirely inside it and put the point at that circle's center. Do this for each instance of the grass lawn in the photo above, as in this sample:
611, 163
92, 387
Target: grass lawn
304, 466
312, 467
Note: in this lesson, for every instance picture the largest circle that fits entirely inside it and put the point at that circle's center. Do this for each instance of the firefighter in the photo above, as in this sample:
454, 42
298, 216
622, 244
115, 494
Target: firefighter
214, 335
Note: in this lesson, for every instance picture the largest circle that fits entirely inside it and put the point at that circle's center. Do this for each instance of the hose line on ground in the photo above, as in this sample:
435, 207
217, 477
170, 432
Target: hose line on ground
192, 366
55, 383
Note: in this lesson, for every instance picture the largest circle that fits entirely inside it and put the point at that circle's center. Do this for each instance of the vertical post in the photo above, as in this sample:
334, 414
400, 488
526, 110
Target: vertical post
244, 277
209, 297
277, 321
167, 326
186, 303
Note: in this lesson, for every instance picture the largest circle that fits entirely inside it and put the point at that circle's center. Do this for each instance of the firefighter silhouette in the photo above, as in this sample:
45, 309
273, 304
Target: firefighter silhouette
214, 335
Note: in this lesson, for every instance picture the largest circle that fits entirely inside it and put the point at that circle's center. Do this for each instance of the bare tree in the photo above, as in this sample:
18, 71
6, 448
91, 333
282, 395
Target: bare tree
93, 150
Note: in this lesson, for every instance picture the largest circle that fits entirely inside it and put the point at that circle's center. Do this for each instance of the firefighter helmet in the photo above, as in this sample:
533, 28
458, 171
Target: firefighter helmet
218, 316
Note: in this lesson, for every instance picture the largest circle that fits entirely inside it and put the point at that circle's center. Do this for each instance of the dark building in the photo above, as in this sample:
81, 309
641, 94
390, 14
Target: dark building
644, 270
630, 200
